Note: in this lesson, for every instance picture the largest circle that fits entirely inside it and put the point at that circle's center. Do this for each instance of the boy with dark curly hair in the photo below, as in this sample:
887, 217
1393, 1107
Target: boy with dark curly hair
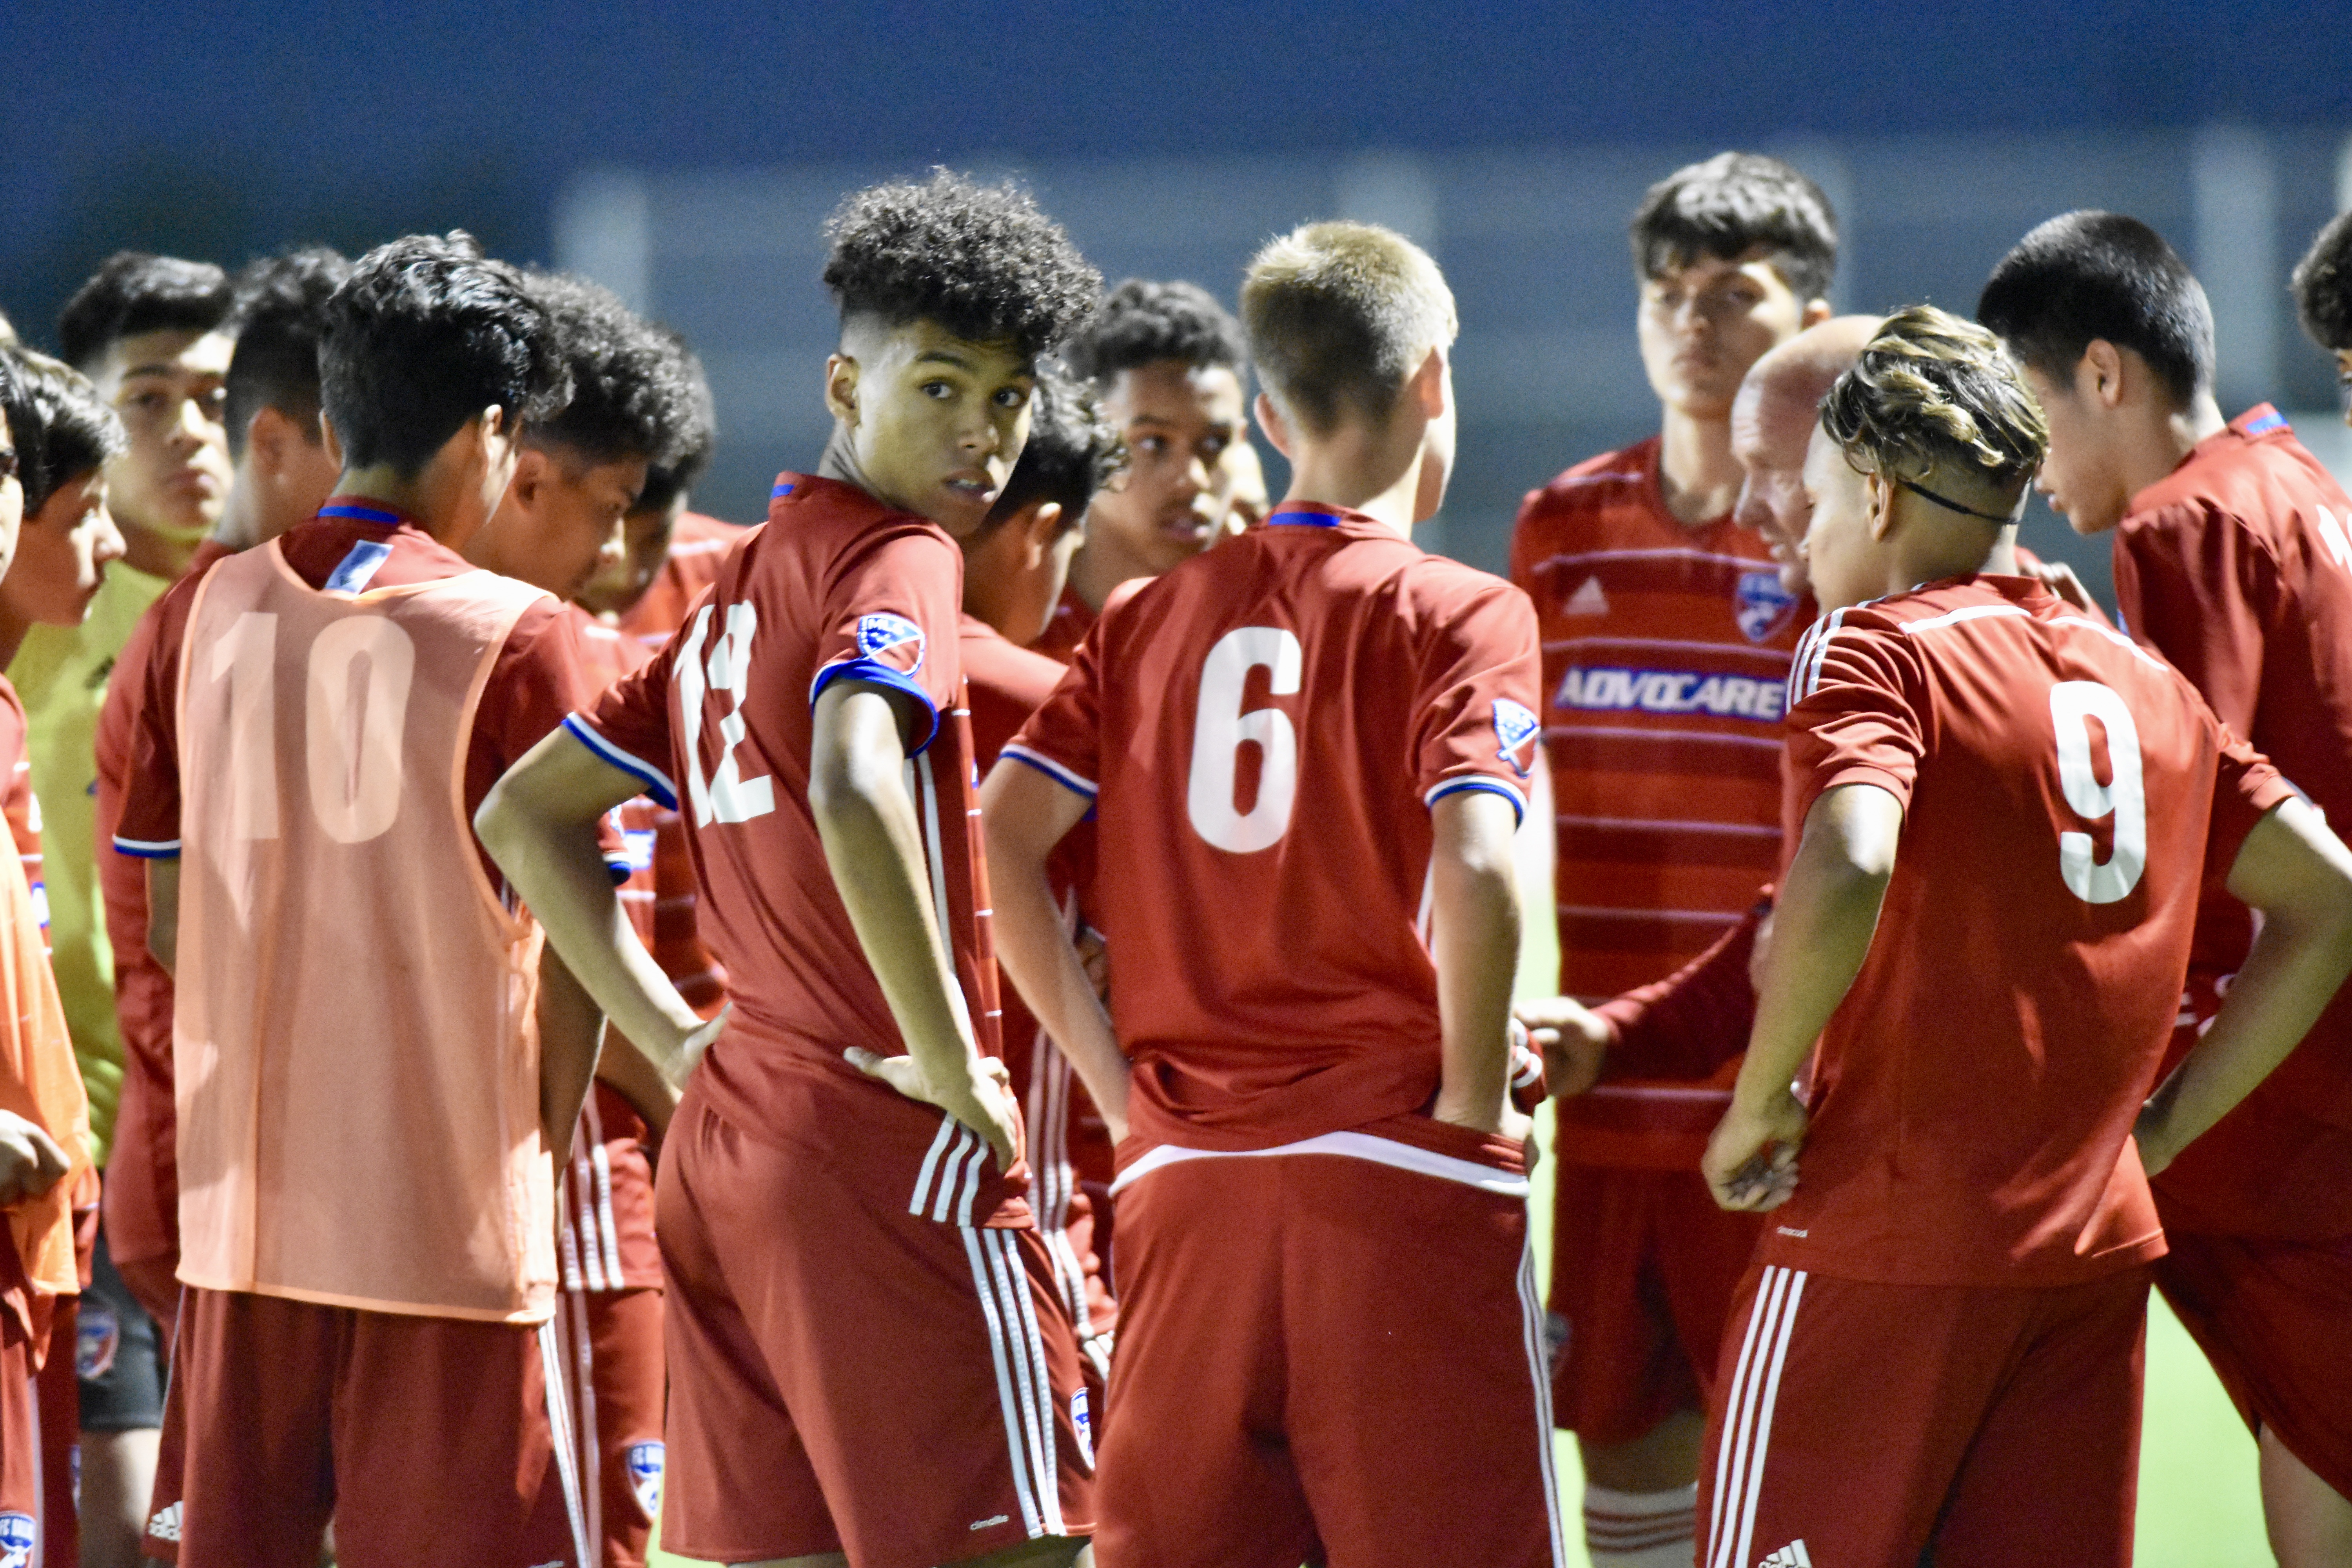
1168, 362
869, 1360
376, 1056
2323, 298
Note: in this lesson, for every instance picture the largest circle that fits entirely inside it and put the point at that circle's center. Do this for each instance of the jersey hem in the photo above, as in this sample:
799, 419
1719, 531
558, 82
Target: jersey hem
523, 1317
1366, 1146
2024, 1274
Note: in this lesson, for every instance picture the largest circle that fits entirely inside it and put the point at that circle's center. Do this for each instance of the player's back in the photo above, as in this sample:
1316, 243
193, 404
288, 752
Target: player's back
328, 866
2066, 793
1277, 718
799, 603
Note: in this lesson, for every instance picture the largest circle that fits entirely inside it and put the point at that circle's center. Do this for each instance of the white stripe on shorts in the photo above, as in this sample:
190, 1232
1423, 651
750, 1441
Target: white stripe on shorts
1024, 1477
1531, 1322
1747, 1419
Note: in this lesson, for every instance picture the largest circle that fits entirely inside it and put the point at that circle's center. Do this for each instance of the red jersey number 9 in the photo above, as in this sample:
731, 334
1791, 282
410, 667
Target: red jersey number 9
1219, 729
2073, 705
351, 759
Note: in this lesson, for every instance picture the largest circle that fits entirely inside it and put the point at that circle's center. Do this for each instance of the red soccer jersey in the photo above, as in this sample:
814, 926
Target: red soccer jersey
698, 548
2065, 796
1065, 628
1665, 660
2238, 568
836, 585
1263, 729
16, 799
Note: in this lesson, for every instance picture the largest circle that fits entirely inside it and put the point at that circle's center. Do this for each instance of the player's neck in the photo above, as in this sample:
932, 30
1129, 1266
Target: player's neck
1100, 567
433, 498
1346, 473
13, 628
1697, 474
2169, 437
240, 525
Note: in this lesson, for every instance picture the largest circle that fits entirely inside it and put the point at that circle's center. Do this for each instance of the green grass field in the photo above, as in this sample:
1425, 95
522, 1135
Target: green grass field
2199, 1504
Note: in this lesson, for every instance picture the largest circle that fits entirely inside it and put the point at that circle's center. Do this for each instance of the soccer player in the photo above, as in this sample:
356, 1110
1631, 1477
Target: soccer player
2323, 298
45, 1155
1306, 750
1666, 636
1015, 567
577, 475
2231, 559
1167, 360
150, 330
281, 475
374, 1058
869, 1360
2010, 811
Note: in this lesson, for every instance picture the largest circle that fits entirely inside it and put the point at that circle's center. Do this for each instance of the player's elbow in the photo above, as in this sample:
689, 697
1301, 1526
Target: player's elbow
500, 824
2295, 870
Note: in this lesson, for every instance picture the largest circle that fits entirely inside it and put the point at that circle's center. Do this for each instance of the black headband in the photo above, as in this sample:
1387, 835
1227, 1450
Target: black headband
2015, 512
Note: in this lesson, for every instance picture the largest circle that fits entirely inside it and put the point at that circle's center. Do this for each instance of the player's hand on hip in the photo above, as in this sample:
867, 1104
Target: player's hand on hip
692, 1049
1574, 1038
1751, 1158
31, 1162
981, 1097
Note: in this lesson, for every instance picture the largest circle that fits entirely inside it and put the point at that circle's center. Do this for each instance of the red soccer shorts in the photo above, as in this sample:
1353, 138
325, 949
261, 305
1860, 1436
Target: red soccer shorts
1643, 1269
24, 1454
845, 1375
611, 1343
424, 1439
1326, 1358
1996, 1425
2275, 1320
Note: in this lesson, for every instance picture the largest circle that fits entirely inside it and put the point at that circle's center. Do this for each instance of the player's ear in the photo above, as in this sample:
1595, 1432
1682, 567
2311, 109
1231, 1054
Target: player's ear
1270, 420
1038, 532
841, 388
530, 477
2101, 374
1816, 312
1427, 387
334, 442
1881, 505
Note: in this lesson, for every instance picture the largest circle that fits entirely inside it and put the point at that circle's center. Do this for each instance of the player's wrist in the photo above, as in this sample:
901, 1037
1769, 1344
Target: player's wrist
1480, 1109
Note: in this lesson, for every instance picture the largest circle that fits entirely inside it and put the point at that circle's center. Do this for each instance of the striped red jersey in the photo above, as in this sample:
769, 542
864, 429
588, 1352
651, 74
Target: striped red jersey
2237, 567
837, 585
2066, 795
1665, 660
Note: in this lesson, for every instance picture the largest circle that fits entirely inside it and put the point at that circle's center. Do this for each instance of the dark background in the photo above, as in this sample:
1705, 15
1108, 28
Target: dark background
228, 131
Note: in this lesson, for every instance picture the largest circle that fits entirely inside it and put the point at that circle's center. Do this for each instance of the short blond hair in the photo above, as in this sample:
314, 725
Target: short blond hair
1933, 392
1339, 315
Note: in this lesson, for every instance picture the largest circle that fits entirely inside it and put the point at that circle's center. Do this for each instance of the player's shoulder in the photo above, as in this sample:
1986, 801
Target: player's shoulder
608, 650
828, 530
2254, 477
1598, 483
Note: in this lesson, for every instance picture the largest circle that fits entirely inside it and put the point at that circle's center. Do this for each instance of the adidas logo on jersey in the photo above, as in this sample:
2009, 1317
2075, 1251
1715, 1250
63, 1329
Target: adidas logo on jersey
1790, 1556
1589, 600
165, 1525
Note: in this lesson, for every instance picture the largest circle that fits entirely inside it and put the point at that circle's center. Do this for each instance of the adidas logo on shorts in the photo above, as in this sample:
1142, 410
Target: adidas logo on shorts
165, 1526
1792, 1555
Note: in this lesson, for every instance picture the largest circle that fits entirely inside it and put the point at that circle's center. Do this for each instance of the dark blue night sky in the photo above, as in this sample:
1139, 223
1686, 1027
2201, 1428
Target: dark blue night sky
231, 129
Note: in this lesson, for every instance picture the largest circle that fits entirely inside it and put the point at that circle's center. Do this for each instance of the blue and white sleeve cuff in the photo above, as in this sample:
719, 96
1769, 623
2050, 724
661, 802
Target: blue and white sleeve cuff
1485, 781
657, 783
148, 848
875, 672
1077, 783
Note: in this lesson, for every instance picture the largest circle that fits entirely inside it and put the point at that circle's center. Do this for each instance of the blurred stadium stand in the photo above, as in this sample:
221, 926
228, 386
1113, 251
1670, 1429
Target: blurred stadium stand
1533, 241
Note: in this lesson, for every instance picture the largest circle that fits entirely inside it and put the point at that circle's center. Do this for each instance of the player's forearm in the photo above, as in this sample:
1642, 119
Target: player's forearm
632, 1075
538, 823
1821, 930
163, 912
571, 1027
1475, 942
873, 843
1034, 950
2302, 885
